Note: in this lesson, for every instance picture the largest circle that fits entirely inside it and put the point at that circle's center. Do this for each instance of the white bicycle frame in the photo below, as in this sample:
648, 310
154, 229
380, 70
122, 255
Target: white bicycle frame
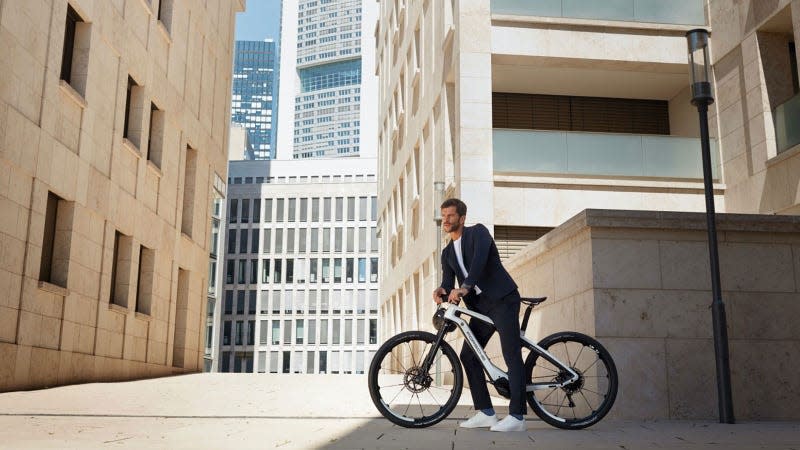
452, 313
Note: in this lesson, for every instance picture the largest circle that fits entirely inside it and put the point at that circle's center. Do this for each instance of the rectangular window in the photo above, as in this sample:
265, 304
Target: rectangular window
290, 241
351, 208
326, 210
145, 279
292, 210
120, 271
164, 14
337, 270
134, 109
315, 209
349, 270
362, 239
243, 242
245, 210
268, 210
253, 271
251, 332
348, 331
362, 270
265, 271
312, 276
299, 331
233, 211
276, 302
339, 209
254, 240
303, 210
264, 302
286, 361
373, 331
279, 210
301, 270
362, 208
323, 332
240, 302
251, 302
336, 332
374, 209
76, 41
287, 332
350, 238
325, 302
336, 303
361, 305
314, 240
360, 325
232, 235
326, 239
276, 332
373, 242
309, 362
278, 240
267, 240
54, 263
301, 240
256, 210
277, 273
229, 302
189, 182
226, 333
239, 332
241, 277
229, 271
288, 306
373, 301
290, 270
337, 239
373, 270
262, 360
312, 302
155, 136
274, 361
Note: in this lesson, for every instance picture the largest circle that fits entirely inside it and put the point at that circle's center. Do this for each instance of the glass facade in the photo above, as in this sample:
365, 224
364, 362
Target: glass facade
254, 98
327, 104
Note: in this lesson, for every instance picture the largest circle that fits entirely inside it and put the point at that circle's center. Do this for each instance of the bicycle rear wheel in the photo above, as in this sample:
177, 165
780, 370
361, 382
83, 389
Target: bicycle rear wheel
402, 392
581, 403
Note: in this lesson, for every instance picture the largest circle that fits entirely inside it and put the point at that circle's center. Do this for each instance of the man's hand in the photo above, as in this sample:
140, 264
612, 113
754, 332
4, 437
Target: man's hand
437, 295
456, 294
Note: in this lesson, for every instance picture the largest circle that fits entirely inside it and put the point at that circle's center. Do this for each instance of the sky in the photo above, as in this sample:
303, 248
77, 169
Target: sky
260, 20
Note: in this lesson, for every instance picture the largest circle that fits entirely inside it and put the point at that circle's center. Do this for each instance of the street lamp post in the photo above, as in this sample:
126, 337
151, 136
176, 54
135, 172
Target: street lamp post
702, 96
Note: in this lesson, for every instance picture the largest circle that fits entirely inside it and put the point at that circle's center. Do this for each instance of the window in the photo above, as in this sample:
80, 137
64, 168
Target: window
189, 181
229, 302
251, 332
337, 239
362, 270
278, 240
314, 240
326, 210
265, 271
254, 240
312, 302
348, 331
268, 210
226, 333
315, 209
292, 210
373, 242
164, 14
245, 210
360, 324
362, 208
286, 361
373, 331
374, 209
299, 331
337, 270
243, 242
339, 208
336, 340
120, 271
276, 332
76, 40
336, 302
326, 239
290, 270
240, 302
229, 271
276, 302
323, 332
303, 210
134, 99
155, 137
362, 239
264, 302
232, 234
373, 301
279, 210
351, 208
287, 332
241, 273
301, 240
325, 302
233, 211
290, 241
274, 358
239, 332
267, 240
326, 270
349, 270
373, 271
312, 276
145, 280
54, 263
253, 271
276, 274
350, 239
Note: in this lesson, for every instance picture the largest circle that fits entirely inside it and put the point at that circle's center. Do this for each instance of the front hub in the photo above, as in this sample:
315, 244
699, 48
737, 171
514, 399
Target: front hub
416, 381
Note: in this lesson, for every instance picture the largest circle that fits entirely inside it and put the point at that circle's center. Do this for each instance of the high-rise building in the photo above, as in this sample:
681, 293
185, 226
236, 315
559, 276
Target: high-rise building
328, 87
114, 123
301, 267
255, 94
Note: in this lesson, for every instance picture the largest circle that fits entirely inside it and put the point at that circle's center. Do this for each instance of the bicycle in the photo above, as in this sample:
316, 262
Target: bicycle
401, 371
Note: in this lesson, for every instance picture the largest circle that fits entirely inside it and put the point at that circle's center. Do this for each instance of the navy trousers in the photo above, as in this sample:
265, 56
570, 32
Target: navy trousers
505, 315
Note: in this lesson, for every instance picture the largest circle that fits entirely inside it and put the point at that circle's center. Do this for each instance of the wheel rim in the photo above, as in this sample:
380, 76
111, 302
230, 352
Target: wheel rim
405, 392
582, 399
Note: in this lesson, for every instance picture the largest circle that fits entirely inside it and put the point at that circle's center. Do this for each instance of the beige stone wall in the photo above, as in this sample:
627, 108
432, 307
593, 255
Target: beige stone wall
752, 78
67, 139
640, 283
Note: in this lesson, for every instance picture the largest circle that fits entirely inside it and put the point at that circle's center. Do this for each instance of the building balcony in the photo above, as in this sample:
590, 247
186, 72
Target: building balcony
787, 124
533, 152
675, 12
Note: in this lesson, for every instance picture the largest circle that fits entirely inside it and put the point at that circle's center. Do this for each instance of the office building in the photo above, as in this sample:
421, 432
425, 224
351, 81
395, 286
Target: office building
113, 150
255, 94
301, 267
537, 114
328, 86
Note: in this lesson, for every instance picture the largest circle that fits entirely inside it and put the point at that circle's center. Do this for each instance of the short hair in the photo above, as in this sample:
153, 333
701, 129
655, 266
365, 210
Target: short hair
461, 207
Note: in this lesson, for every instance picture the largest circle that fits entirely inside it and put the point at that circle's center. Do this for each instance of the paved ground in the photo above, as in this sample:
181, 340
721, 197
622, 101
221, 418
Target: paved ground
307, 411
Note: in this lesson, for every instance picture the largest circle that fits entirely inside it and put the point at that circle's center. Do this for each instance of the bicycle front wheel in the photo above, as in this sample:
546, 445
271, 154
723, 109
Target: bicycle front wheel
583, 402
403, 392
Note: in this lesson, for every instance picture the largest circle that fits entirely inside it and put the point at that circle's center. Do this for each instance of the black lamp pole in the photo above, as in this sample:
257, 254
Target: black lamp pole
702, 96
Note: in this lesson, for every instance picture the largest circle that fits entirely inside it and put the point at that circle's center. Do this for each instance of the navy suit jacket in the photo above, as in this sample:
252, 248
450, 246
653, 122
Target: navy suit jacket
483, 265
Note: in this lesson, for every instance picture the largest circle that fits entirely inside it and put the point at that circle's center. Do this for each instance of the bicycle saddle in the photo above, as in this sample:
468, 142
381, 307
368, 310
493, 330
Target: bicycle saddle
533, 301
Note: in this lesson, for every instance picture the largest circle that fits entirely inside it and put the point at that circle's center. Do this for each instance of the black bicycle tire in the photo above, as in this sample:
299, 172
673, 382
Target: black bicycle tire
604, 355
374, 367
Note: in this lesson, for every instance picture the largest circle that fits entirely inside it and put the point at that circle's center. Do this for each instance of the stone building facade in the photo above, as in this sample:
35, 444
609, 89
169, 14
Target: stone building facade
113, 130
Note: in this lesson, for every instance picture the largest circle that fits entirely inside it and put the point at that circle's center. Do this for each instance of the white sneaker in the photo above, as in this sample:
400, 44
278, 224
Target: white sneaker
510, 423
480, 420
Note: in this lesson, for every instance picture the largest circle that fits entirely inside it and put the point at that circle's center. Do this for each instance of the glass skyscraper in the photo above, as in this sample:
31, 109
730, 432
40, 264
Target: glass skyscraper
255, 94
328, 97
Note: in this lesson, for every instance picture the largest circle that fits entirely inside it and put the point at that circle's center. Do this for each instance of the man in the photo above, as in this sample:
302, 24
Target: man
486, 287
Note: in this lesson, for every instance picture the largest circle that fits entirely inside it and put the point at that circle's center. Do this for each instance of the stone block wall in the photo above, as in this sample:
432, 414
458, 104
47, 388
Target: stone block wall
641, 285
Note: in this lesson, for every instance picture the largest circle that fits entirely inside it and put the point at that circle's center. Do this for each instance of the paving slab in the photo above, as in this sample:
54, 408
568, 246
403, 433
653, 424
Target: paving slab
311, 412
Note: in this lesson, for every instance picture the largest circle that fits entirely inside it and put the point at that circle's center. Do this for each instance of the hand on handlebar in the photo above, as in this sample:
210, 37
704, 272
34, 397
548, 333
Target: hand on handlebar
456, 294
439, 295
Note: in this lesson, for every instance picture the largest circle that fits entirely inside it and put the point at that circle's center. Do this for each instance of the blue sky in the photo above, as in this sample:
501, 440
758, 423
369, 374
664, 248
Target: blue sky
261, 20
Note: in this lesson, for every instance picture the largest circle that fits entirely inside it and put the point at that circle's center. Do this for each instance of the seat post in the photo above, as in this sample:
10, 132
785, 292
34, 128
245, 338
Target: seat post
525, 319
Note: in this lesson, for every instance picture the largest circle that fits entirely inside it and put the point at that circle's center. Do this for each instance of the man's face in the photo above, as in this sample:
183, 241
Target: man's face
451, 221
